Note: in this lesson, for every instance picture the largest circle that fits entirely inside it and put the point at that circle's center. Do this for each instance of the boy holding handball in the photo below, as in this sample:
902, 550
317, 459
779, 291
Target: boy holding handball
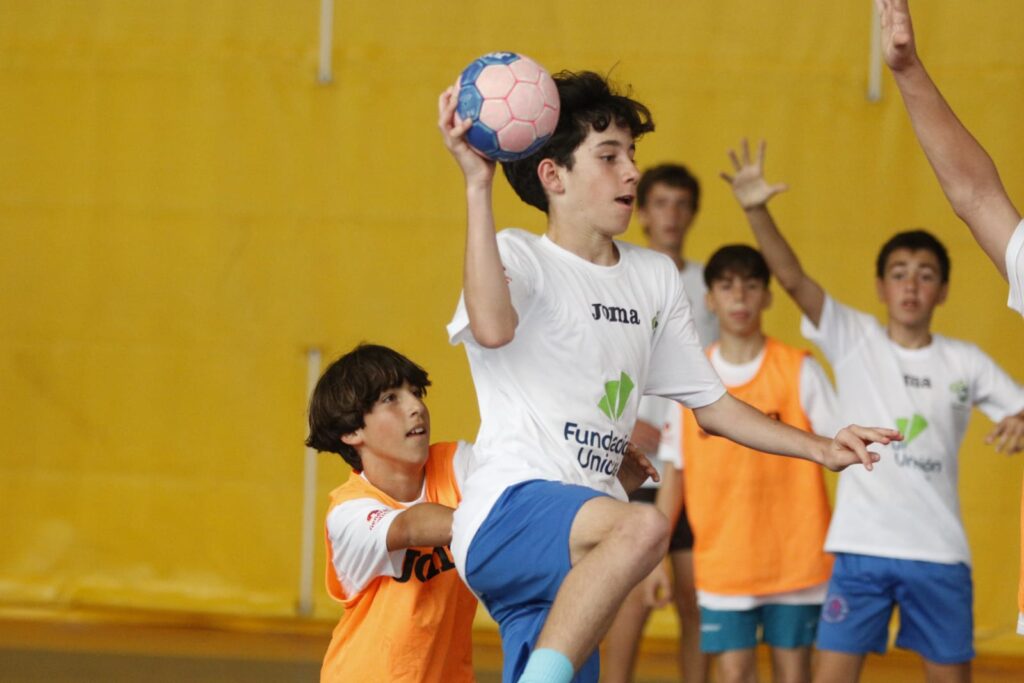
563, 333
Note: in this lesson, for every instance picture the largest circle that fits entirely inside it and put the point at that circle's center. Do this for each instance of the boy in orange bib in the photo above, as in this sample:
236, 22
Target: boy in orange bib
408, 616
759, 523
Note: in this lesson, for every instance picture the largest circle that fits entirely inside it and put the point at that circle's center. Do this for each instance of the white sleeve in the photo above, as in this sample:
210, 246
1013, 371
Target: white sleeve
818, 398
1015, 269
358, 532
462, 464
522, 274
840, 330
679, 369
994, 392
670, 449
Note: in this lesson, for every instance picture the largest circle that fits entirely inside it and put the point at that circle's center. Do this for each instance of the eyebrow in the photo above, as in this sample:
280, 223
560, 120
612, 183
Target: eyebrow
612, 143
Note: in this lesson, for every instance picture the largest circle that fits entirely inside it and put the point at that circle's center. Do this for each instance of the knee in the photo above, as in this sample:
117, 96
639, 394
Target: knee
646, 531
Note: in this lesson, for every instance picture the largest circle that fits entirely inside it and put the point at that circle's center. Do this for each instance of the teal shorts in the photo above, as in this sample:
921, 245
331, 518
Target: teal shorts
787, 626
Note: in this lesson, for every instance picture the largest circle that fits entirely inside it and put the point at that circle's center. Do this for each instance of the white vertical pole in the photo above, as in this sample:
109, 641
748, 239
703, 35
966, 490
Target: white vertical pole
324, 73
305, 607
875, 59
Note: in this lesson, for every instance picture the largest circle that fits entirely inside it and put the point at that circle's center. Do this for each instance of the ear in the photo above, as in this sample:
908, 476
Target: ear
353, 438
943, 293
550, 175
768, 299
880, 289
709, 302
641, 217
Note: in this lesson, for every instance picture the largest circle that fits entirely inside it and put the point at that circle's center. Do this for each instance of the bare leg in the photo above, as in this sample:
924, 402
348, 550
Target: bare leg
623, 639
791, 665
947, 673
613, 545
838, 667
693, 664
737, 666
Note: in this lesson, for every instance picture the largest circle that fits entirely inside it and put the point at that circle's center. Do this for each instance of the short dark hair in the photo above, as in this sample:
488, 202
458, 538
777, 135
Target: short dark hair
914, 240
588, 101
348, 390
673, 175
736, 259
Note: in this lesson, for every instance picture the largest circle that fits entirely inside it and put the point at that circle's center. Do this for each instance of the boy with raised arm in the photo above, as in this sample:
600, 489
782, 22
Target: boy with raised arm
761, 571
668, 199
563, 333
408, 617
966, 172
898, 538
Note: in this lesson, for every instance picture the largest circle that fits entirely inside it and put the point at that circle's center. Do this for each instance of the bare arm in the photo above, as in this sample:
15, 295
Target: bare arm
669, 499
965, 171
423, 524
752, 192
739, 422
492, 317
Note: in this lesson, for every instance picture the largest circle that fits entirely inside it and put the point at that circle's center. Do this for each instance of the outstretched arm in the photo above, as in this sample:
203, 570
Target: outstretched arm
492, 317
739, 422
966, 172
752, 192
423, 524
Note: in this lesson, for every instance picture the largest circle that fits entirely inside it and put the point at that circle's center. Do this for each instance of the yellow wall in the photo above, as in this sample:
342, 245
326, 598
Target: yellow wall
184, 211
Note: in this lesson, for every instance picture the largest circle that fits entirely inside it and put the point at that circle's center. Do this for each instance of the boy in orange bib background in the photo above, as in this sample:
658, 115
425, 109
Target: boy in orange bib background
408, 616
759, 523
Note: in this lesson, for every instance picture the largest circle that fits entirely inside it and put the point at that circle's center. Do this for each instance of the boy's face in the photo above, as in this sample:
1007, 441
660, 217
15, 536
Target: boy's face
738, 302
395, 430
666, 216
911, 286
600, 190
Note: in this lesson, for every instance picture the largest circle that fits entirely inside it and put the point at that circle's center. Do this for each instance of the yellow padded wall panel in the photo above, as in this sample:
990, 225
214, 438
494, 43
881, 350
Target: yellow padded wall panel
184, 211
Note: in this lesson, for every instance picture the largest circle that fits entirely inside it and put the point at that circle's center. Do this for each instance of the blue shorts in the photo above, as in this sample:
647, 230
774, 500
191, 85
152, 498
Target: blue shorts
935, 601
516, 563
787, 626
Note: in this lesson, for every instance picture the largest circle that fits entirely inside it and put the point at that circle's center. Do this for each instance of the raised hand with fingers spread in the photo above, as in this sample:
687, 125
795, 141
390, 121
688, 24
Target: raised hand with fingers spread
748, 183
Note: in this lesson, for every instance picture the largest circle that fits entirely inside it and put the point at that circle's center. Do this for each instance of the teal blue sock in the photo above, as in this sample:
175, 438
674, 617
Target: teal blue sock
547, 666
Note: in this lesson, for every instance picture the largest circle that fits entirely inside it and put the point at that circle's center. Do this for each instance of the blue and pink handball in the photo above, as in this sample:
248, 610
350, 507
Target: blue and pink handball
513, 104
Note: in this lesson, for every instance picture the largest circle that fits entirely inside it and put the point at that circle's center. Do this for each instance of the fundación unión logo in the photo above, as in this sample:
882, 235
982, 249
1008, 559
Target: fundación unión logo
616, 394
911, 428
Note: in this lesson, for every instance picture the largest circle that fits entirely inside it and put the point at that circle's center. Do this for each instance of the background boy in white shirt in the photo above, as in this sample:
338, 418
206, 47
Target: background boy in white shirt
668, 199
898, 538
559, 331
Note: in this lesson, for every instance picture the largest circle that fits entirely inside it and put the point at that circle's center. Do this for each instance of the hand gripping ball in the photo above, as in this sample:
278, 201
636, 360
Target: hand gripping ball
513, 104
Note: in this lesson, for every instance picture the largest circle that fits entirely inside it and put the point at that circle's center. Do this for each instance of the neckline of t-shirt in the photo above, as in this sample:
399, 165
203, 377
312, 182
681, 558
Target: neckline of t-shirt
913, 354
580, 262
749, 369
419, 499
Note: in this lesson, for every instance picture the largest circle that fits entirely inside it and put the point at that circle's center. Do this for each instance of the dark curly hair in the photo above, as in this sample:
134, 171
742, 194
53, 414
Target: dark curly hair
348, 390
588, 101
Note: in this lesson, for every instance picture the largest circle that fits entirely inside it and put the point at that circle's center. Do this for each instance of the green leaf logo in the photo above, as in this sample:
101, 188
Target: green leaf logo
959, 390
616, 393
912, 428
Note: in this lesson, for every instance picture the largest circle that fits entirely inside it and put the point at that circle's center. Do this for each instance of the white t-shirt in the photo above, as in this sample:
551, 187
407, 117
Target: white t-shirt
818, 401
1015, 269
908, 506
560, 400
358, 530
654, 409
